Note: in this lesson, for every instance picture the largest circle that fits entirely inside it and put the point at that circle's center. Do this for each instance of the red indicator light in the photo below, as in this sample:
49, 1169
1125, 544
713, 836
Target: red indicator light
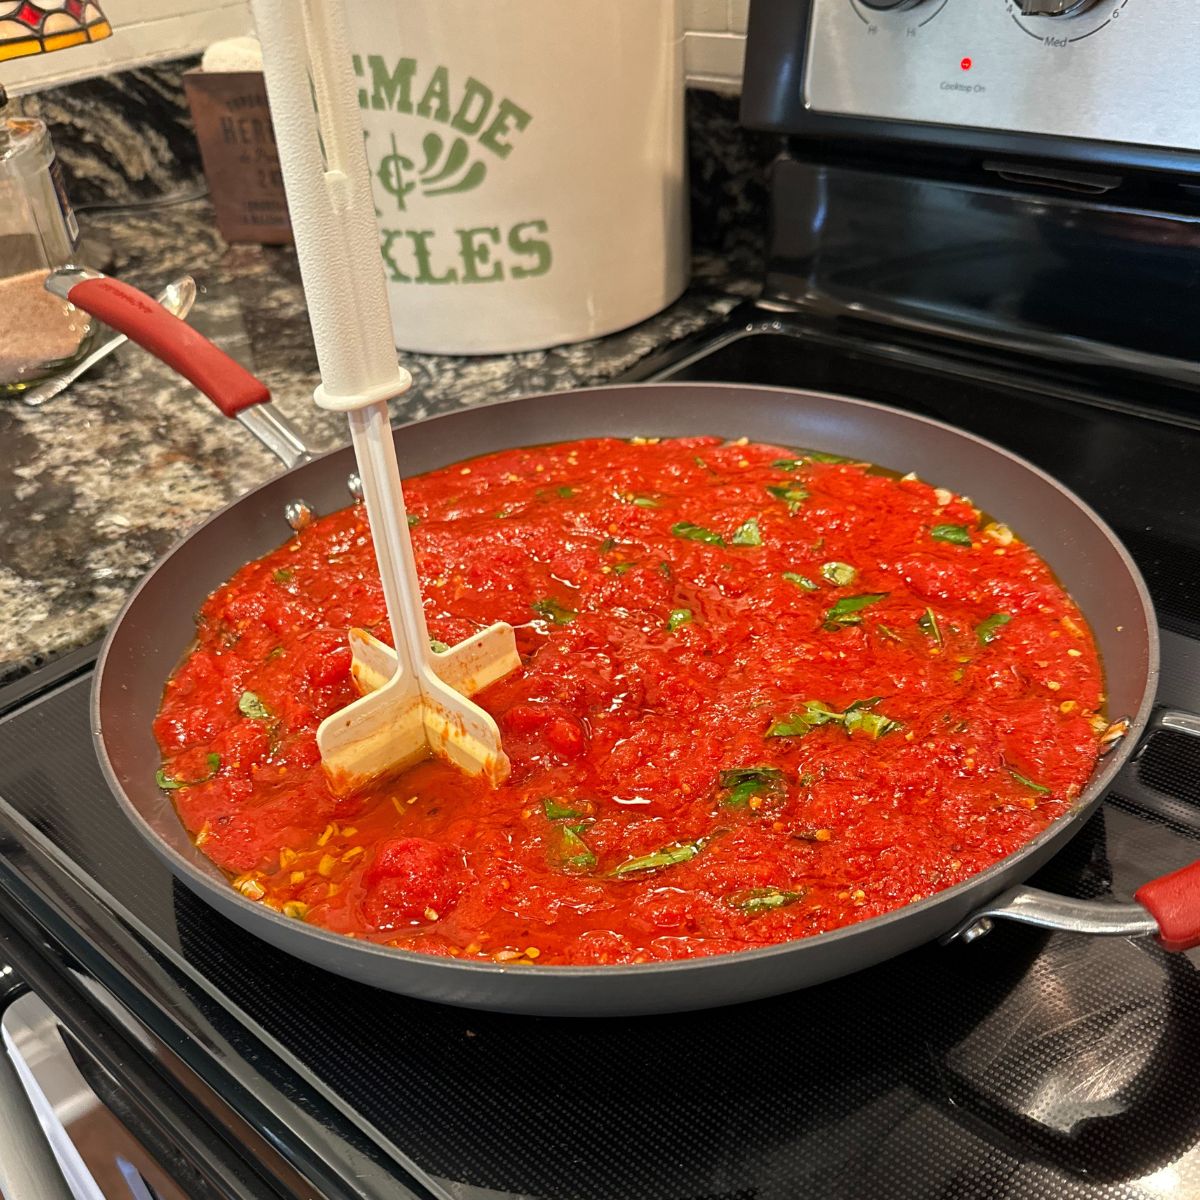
966, 64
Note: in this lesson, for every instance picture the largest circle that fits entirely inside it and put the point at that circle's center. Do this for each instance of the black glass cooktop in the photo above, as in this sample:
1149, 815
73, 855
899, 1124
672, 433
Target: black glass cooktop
1025, 1065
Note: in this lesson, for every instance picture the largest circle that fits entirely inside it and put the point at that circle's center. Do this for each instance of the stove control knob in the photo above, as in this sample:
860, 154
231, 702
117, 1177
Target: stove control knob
1055, 8
891, 5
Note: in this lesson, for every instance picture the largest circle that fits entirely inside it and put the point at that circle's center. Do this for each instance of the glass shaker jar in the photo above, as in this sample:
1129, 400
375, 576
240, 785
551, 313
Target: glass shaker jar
40, 335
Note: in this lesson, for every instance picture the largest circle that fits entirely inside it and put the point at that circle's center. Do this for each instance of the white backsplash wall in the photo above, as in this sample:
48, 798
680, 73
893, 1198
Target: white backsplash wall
152, 30
714, 46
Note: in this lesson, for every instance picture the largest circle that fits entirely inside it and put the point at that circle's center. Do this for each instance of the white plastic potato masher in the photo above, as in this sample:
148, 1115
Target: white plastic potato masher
420, 708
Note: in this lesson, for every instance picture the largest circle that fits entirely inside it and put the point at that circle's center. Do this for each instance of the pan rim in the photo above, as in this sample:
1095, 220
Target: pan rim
1102, 777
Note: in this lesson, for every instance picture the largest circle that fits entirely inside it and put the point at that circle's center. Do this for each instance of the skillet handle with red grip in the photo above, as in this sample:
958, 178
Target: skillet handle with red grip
143, 320
1174, 903
233, 389
1166, 909
1172, 900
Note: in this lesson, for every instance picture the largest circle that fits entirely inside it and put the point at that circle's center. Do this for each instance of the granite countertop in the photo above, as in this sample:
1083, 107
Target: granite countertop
98, 482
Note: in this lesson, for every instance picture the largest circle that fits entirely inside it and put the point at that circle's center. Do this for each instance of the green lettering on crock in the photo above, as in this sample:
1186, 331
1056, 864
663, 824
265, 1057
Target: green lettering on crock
421, 252
476, 125
475, 254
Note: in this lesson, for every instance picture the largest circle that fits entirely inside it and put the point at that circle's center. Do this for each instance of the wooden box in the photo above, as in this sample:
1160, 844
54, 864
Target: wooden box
241, 163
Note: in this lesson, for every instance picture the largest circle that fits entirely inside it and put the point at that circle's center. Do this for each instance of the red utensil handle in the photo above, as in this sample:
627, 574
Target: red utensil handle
226, 383
1174, 902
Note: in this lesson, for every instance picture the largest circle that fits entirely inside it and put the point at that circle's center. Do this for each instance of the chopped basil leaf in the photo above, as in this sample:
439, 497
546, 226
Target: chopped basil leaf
576, 853
875, 725
760, 775
810, 456
251, 706
607, 545
556, 811
622, 568
989, 630
959, 535
845, 611
799, 723
801, 581
276, 652
764, 899
840, 574
747, 534
664, 569
739, 796
413, 519
791, 494
668, 856
646, 502
696, 533
283, 575
679, 616
565, 491
856, 717
168, 784
553, 611
890, 634
1027, 782
928, 623
744, 782
438, 647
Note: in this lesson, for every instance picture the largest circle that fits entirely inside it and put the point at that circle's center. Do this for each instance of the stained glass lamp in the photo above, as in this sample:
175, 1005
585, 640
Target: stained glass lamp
27, 28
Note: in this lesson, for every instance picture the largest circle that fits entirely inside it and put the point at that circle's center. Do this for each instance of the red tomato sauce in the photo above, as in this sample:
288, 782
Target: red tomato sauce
764, 694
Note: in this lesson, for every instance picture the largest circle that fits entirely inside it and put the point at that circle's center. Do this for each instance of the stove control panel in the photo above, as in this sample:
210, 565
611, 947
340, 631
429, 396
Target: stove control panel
1103, 70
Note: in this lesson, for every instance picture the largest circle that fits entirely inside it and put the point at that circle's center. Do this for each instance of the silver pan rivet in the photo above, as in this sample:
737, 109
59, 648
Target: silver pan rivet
974, 932
354, 485
298, 514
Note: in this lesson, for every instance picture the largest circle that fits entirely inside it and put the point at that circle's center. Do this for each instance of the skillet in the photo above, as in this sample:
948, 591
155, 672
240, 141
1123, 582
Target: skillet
157, 622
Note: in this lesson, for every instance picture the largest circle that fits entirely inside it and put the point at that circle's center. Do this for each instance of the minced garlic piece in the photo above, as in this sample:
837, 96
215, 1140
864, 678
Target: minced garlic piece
250, 888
